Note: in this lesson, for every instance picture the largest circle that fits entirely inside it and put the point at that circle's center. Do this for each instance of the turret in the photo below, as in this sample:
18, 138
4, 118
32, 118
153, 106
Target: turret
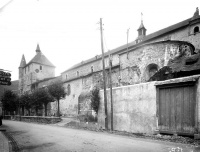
38, 49
21, 66
141, 31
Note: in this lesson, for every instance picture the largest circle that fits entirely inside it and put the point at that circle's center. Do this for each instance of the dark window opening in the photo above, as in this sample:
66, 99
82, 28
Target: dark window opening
92, 69
150, 71
196, 29
68, 89
40, 67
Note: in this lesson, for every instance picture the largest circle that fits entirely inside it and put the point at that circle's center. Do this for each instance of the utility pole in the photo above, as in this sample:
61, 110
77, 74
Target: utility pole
127, 40
104, 76
111, 100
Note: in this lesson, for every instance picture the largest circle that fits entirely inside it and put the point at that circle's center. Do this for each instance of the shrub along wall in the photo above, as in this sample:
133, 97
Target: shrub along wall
39, 119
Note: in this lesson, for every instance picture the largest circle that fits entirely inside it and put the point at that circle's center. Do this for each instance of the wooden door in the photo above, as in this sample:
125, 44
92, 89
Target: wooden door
176, 111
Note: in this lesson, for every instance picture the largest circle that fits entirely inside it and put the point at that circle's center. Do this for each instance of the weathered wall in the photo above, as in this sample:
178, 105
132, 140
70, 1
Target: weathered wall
32, 73
197, 114
86, 69
133, 69
184, 34
69, 105
134, 108
133, 65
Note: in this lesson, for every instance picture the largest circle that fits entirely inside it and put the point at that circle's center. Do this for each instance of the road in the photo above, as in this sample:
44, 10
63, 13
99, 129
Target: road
50, 138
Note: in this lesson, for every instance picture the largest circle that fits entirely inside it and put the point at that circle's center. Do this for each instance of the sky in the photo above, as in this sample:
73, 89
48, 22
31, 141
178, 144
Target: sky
67, 31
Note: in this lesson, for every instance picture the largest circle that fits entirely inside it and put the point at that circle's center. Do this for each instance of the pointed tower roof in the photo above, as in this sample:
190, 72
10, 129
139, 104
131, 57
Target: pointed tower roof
38, 48
23, 62
40, 58
141, 26
196, 14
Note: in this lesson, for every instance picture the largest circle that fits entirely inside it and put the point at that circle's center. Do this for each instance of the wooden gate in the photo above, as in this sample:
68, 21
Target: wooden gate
176, 108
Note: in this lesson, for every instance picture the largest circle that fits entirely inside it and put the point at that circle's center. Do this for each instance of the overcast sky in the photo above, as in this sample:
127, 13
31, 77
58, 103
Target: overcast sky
68, 30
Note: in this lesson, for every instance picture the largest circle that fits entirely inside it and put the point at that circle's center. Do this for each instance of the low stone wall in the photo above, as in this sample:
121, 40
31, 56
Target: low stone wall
39, 119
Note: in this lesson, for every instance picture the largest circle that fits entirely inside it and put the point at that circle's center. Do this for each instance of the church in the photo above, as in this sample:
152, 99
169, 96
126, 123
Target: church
155, 81
39, 68
134, 63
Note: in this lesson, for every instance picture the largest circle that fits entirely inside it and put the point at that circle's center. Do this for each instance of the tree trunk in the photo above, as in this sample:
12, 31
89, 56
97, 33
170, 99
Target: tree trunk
22, 110
58, 111
45, 109
36, 111
29, 112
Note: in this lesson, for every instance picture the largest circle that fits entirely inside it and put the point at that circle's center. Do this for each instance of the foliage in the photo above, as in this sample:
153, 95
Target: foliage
42, 96
36, 100
9, 101
95, 99
26, 100
57, 91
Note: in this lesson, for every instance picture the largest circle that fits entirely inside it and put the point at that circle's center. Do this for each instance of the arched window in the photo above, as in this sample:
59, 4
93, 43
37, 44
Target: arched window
151, 69
92, 69
196, 29
77, 73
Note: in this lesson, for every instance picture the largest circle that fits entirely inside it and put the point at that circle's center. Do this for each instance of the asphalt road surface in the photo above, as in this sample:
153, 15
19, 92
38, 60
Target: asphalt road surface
50, 138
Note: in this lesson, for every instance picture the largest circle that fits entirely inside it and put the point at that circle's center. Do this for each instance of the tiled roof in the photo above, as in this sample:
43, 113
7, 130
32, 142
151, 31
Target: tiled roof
134, 45
41, 59
141, 26
23, 62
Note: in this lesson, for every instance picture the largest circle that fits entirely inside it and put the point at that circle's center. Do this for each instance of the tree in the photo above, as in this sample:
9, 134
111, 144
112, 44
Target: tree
44, 97
26, 101
9, 101
57, 91
36, 100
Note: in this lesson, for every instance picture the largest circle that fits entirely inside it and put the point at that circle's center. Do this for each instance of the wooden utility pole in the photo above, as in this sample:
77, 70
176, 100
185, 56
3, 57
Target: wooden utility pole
111, 101
104, 76
127, 41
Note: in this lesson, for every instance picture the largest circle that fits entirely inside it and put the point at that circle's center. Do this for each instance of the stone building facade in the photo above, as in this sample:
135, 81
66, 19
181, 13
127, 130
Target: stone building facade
39, 68
132, 65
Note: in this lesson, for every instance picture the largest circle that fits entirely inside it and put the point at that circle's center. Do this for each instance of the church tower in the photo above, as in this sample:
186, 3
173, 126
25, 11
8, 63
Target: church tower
21, 74
36, 70
141, 31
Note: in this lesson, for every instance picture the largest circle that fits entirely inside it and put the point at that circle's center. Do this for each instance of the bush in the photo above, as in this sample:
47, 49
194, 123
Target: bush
95, 99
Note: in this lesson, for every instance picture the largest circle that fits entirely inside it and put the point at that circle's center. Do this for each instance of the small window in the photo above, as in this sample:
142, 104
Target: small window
40, 67
92, 69
196, 29
77, 74
68, 89
66, 76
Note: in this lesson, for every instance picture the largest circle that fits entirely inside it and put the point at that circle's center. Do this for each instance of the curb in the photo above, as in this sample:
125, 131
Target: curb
13, 146
4, 145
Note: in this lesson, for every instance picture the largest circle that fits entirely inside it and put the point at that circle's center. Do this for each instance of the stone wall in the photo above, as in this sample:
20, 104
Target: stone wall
184, 34
69, 105
38, 119
34, 74
134, 108
133, 69
134, 65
